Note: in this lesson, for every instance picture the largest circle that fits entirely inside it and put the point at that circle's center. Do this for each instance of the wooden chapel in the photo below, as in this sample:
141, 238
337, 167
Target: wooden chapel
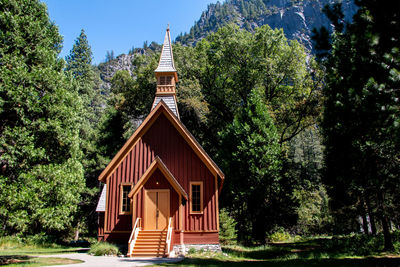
161, 189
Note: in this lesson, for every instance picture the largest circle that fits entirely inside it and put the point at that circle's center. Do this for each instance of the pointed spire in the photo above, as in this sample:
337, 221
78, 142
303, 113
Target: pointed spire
166, 63
167, 77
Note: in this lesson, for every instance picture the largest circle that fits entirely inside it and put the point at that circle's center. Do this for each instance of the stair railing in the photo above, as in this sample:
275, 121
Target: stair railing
134, 235
169, 235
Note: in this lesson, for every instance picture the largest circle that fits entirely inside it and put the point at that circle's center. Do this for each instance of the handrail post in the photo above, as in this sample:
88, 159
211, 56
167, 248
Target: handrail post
169, 235
134, 235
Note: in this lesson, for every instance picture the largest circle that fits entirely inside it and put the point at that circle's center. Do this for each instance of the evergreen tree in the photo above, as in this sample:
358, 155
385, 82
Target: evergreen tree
362, 115
41, 177
87, 83
79, 60
253, 165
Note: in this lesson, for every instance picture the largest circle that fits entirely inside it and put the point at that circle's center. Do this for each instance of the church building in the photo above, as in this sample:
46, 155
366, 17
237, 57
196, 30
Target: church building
161, 189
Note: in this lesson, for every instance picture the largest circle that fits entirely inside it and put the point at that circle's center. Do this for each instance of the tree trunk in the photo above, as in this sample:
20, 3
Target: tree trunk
371, 216
76, 238
385, 224
365, 223
386, 234
363, 211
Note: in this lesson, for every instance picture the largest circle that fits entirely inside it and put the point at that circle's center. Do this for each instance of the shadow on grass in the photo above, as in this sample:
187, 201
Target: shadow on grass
305, 249
294, 262
6, 260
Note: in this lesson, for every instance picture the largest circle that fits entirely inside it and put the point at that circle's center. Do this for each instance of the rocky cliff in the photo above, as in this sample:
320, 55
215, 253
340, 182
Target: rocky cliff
297, 17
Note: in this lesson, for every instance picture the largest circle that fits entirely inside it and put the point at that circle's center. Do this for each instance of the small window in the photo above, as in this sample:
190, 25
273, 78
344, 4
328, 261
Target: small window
165, 80
125, 200
196, 197
162, 80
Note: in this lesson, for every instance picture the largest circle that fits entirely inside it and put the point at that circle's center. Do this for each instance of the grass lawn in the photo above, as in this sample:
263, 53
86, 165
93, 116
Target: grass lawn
14, 252
312, 252
34, 261
40, 250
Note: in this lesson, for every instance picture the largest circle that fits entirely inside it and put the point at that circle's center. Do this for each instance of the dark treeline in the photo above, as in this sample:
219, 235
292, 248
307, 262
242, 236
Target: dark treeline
307, 146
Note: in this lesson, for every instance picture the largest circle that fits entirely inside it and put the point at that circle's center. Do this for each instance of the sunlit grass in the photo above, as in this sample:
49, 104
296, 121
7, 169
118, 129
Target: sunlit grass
308, 252
14, 246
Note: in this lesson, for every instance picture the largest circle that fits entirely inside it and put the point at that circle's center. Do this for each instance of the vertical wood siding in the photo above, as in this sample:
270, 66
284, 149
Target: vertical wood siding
163, 140
100, 226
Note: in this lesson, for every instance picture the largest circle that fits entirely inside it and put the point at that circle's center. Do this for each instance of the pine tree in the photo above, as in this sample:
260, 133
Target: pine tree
252, 161
41, 177
362, 115
80, 58
87, 83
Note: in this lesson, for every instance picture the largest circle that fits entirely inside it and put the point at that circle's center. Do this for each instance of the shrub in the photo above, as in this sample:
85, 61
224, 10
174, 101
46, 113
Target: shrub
40, 239
280, 235
103, 248
8, 242
227, 231
359, 244
191, 250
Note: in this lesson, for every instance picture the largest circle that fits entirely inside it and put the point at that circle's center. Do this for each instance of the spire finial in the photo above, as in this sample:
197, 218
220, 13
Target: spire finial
168, 27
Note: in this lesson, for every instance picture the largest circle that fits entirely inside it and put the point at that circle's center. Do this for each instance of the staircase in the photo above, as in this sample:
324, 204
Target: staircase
150, 244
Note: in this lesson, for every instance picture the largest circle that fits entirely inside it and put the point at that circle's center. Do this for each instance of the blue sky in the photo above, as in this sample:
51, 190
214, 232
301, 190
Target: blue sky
120, 24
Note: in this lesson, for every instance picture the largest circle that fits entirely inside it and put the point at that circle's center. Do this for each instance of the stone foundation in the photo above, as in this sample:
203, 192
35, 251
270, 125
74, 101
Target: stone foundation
184, 249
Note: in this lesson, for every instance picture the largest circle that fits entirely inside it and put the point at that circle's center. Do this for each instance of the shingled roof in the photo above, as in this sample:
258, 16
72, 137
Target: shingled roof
166, 63
169, 100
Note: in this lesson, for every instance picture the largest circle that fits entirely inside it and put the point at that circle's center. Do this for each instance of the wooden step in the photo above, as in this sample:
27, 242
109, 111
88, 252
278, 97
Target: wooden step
147, 255
150, 243
150, 237
149, 249
153, 234
141, 245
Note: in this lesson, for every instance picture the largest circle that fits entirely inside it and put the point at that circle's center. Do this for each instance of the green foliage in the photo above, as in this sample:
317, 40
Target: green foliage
227, 231
86, 82
104, 249
359, 244
30, 243
41, 175
314, 216
232, 62
10, 242
280, 235
361, 115
305, 158
252, 161
80, 58
192, 251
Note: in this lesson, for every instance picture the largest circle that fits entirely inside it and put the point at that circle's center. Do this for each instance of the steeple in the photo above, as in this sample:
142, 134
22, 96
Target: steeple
167, 76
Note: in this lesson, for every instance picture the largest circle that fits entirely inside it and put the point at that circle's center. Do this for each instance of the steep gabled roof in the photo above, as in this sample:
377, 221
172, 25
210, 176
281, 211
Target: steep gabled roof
166, 63
146, 124
158, 164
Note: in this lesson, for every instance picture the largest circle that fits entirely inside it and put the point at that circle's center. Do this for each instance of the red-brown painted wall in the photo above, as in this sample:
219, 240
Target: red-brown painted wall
162, 140
100, 226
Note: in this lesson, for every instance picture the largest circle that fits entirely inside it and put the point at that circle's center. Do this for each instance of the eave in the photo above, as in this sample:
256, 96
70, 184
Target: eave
145, 126
158, 164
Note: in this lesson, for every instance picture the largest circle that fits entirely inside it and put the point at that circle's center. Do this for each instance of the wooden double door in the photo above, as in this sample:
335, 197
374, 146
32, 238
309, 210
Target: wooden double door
156, 209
